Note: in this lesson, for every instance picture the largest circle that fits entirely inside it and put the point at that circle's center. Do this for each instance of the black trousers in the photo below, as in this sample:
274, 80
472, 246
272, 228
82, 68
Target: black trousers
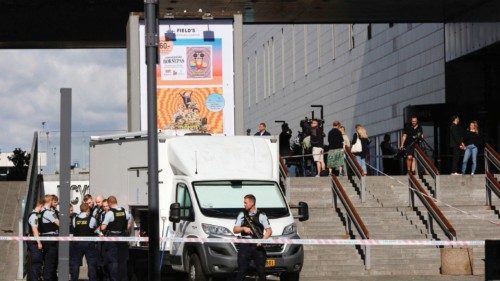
50, 260
247, 253
77, 251
36, 260
454, 160
116, 258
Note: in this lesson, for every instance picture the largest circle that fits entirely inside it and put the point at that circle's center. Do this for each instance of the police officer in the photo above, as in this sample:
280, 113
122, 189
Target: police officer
116, 223
48, 225
102, 273
251, 223
84, 225
35, 247
97, 210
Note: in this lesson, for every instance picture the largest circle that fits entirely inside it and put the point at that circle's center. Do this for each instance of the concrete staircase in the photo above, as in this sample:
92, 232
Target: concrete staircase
12, 194
387, 216
468, 193
324, 262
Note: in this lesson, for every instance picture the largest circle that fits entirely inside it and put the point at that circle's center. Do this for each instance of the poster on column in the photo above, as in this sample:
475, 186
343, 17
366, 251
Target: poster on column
195, 86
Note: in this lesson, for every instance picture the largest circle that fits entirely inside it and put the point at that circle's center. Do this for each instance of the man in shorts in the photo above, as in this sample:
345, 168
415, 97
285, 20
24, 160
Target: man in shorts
317, 137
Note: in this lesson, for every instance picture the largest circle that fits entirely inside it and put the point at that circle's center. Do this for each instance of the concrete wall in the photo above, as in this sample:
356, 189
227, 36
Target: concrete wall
465, 38
289, 67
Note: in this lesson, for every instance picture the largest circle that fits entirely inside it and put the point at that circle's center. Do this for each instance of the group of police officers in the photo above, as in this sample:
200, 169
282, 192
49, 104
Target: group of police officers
97, 217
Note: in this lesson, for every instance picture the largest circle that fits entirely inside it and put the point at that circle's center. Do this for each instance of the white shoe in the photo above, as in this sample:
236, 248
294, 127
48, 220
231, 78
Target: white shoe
455, 174
472, 174
317, 176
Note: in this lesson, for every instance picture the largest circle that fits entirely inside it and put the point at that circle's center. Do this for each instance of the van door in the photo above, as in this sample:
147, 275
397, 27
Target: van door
183, 228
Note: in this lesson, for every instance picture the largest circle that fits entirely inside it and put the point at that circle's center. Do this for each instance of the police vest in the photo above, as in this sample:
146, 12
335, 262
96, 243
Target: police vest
98, 215
47, 227
119, 225
82, 226
254, 220
38, 216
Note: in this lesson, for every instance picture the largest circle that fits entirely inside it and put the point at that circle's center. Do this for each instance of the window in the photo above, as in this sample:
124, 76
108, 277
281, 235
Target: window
293, 53
249, 94
273, 67
184, 199
264, 68
351, 37
305, 49
256, 78
225, 198
282, 59
318, 36
333, 41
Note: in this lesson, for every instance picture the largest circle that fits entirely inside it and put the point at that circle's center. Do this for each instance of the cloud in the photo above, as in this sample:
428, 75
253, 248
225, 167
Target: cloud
29, 91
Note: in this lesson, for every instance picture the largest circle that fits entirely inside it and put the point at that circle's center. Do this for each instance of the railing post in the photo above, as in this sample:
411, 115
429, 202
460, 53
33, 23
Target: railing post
437, 183
363, 187
368, 262
20, 258
431, 223
486, 166
488, 194
288, 189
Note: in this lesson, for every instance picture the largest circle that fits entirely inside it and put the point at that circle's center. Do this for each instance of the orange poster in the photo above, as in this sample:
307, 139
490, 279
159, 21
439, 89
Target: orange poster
194, 109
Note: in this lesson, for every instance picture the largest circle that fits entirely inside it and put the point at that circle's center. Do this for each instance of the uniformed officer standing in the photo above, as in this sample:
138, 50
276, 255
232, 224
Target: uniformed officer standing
251, 223
116, 223
102, 273
84, 225
35, 247
49, 226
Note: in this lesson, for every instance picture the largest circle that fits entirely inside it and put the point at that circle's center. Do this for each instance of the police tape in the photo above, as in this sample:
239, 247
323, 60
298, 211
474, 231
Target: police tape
362, 242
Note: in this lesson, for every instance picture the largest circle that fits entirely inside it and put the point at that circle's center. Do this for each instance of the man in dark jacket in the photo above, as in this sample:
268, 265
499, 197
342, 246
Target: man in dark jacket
456, 136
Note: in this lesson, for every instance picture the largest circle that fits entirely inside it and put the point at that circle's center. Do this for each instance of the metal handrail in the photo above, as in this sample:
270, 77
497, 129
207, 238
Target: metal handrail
429, 168
31, 181
31, 188
432, 209
284, 178
353, 216
491, 156
492, 186
353, 164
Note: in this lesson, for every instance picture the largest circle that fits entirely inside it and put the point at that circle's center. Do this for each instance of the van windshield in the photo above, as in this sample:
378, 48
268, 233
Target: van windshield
225, 198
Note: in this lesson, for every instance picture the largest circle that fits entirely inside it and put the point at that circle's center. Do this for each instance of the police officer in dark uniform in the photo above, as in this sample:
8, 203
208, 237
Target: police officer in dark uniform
251, 223
116, 223
35, 247
48, 225
84, 225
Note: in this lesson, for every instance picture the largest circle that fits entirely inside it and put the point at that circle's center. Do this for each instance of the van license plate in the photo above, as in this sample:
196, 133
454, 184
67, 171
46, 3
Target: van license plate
270, 263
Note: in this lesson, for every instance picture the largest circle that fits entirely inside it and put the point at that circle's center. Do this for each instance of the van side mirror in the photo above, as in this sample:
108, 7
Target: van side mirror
303, 211
175, 213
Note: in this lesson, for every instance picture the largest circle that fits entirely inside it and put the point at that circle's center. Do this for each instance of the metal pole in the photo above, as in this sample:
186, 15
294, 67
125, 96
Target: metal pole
64, 181
154, 267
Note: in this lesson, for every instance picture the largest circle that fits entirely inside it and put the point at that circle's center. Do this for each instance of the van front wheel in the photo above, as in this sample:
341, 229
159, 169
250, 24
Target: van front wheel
195, 270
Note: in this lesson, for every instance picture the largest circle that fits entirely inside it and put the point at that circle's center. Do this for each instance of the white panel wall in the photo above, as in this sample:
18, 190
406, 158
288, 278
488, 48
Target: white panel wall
465, 38
399, 66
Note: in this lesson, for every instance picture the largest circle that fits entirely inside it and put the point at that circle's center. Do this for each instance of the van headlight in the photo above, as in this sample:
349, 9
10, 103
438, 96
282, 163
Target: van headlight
211, 229
290, 229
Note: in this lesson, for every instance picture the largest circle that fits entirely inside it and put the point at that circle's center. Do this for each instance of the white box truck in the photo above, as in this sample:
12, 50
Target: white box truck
202, 182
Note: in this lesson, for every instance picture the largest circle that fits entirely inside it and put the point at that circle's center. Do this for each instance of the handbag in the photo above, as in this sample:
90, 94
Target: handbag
357, 147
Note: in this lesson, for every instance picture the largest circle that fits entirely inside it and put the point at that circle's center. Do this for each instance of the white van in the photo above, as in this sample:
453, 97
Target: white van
202, 182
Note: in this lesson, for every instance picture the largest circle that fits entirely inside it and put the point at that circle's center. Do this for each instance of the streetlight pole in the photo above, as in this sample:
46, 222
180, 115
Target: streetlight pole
151, 40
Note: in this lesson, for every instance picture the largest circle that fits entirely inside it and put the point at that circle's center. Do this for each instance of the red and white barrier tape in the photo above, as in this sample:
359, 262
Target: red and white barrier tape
366, 242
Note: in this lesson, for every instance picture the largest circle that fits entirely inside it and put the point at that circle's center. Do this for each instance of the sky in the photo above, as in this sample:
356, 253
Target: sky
30, 82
